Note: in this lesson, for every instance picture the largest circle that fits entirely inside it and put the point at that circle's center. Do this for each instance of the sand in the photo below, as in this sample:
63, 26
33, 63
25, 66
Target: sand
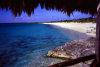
86, 28
76, 29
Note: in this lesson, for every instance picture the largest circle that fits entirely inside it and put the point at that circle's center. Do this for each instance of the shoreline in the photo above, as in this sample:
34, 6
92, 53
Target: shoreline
88, 29
73, 50
83, 46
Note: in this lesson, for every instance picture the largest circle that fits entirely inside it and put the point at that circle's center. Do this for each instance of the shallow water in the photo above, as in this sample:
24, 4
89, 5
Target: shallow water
24, 45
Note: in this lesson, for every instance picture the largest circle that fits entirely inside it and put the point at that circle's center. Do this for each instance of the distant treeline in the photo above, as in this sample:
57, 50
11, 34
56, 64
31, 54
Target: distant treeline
82, 20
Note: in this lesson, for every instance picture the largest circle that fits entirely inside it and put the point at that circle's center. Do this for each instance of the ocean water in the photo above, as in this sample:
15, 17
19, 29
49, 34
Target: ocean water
25, 44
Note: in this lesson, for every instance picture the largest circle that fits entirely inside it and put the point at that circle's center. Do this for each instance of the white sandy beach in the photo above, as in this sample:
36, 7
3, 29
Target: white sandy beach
79, 32
86, 28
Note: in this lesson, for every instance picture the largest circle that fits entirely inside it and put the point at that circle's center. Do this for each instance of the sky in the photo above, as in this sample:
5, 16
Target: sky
40, 15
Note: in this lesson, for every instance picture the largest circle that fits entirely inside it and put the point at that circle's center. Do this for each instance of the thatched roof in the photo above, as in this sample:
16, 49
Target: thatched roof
28, 6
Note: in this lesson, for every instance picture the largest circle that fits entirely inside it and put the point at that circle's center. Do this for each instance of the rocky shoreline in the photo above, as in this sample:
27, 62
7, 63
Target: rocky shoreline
74, 49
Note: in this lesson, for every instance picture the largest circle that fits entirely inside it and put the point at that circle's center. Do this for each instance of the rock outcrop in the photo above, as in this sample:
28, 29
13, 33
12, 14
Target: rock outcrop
74, 49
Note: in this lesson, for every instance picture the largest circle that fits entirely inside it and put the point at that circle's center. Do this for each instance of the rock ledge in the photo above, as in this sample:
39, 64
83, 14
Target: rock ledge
74, 49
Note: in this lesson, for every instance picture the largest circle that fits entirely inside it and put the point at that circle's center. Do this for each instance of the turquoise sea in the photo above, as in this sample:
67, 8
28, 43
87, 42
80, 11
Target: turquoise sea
25, 44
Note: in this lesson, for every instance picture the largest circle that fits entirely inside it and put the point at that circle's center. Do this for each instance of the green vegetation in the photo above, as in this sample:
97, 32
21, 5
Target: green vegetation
82, 20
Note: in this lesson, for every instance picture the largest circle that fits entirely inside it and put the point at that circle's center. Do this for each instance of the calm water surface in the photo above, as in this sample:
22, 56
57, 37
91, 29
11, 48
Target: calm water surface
24, 45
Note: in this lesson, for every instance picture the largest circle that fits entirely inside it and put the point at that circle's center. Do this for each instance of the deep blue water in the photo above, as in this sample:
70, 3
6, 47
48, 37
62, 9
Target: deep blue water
24, 45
